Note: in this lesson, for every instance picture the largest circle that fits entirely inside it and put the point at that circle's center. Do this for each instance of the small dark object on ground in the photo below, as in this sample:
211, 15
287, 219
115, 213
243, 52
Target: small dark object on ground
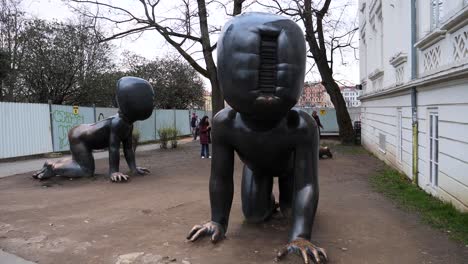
325, 151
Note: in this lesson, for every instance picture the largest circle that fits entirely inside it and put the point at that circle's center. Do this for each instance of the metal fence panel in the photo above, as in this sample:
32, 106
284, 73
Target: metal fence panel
307, 110
183, 122
327, 118
24, 129
63, 119
104, 112
18, 120
146, 128
164, 118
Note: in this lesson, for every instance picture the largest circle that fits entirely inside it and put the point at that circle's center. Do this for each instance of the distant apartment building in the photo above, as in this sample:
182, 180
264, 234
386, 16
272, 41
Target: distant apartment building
315, 95
351, 95
414, 74
207, 98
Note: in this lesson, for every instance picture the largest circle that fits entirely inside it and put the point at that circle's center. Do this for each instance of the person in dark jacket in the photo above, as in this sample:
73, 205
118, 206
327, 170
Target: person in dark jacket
194, 125
317, 120
205, 129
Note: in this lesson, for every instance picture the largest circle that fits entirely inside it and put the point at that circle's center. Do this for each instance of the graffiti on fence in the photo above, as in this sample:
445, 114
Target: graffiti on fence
64, 121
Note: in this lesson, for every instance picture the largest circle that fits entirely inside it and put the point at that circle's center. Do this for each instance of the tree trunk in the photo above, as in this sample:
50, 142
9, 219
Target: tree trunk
237, 7
345, 125
318, 49
217, 100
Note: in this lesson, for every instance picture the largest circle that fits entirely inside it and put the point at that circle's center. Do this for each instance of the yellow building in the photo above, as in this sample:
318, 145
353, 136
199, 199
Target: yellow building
207, 96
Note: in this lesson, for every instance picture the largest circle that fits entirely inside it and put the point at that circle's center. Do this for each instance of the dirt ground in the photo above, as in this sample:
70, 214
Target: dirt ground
146, 220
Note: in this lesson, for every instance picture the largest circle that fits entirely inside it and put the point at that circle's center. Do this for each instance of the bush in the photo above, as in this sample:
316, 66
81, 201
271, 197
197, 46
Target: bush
168, 134
173, 137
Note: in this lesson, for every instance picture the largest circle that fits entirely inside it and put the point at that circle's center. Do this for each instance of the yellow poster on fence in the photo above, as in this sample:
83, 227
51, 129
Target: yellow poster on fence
322, 112
75, 110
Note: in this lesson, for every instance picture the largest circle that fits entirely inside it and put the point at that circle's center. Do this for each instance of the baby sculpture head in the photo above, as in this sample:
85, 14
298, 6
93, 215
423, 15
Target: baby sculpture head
135, 98
261, 64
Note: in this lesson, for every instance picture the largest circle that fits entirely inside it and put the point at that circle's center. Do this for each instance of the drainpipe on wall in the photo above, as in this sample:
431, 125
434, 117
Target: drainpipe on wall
414, 93
414, 108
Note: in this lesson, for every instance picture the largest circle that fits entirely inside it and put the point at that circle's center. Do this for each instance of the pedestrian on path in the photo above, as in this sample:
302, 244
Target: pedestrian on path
317, 120
194, 124
205, 129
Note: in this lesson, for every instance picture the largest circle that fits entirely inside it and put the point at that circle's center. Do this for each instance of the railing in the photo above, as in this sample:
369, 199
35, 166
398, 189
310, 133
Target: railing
445, 47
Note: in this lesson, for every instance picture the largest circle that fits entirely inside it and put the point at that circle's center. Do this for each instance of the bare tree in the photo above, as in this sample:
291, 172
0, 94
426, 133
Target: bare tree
185, 28
326, 36
179, 86
11, 25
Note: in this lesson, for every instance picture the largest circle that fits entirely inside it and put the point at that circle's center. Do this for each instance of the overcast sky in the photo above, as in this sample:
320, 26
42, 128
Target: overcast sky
151, 45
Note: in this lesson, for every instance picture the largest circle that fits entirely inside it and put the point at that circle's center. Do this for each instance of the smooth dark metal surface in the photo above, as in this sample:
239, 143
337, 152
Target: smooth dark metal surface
261, 66
135, 101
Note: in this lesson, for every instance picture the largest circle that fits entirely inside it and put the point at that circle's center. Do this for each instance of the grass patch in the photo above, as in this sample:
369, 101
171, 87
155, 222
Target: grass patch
436, 213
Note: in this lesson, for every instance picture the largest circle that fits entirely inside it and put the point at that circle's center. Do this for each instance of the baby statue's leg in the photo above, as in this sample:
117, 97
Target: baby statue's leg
258, 202
80, 165
286, 190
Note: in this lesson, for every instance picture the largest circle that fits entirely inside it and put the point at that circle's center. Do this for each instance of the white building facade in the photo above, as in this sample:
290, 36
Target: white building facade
414, 74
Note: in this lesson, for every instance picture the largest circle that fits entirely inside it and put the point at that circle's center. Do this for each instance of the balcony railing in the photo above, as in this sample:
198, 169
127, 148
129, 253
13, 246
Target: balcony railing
445, 47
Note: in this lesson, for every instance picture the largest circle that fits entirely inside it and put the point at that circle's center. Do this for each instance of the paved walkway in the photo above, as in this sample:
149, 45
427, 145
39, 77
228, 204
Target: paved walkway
145, 221
7, 258
23, 166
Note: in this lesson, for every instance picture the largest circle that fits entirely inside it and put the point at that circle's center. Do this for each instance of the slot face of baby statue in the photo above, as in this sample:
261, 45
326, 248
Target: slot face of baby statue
134, 98
261, 68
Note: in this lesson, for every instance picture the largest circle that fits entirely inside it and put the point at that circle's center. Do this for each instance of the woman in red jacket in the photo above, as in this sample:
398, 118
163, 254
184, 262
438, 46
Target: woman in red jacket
205, 130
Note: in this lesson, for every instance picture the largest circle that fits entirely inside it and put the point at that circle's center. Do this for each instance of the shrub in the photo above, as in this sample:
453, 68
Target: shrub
173, 137
168, 134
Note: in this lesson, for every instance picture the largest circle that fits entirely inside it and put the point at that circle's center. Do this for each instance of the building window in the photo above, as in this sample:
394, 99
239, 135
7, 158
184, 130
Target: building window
399, 135
437, 8
433, 148
382, 142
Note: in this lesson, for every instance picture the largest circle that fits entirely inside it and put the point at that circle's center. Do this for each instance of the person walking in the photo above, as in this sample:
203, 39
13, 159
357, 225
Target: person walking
317, 120
194, 125
205, 129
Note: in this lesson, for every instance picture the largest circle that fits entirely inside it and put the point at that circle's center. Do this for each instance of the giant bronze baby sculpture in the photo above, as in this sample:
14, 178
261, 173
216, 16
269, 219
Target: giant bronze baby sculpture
134, 97
261, 66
